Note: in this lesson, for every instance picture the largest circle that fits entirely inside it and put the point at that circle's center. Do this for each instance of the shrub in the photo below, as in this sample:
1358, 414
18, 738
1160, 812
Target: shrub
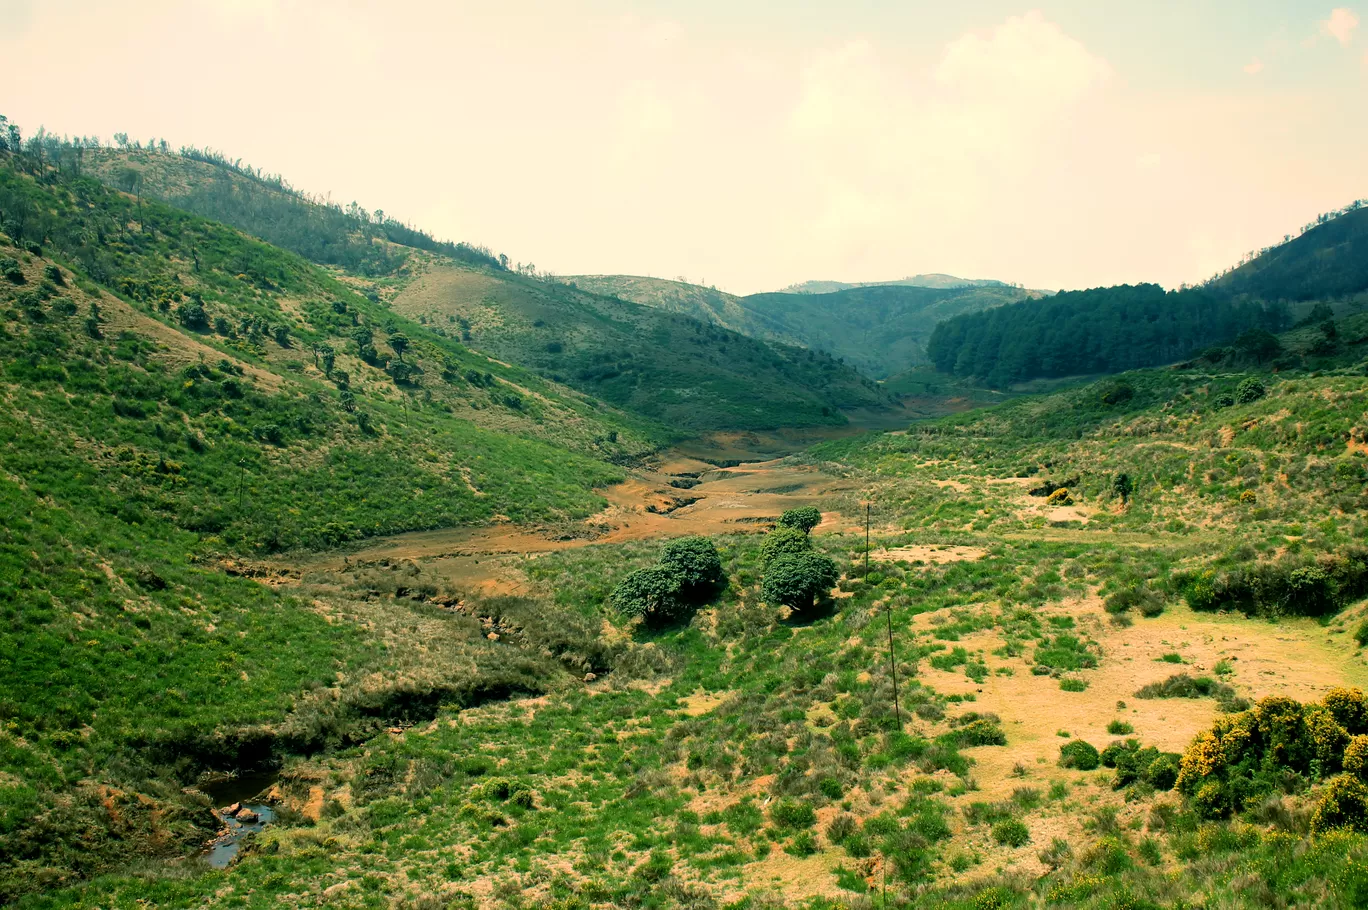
1162, 773
783, 541
651, 593
804, 518
193, 317
793, 814
1344, 804
9, 268
1114, 393
1072, 684
1012, 833
1350, 708
54, 274
1119, 728
1250, 391
841, 828
1361, 633
1059, 497
694, 563
1079, 755
1356, 757
797, 581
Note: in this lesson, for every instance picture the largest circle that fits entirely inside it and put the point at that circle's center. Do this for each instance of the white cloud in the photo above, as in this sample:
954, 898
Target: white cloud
1024, 57
1341, 25
1254, 67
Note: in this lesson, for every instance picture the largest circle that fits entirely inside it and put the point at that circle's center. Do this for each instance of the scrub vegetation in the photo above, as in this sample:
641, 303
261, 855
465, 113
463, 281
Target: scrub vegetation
1103, 649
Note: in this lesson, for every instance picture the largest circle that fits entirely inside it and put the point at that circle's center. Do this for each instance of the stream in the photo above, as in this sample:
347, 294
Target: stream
241, 810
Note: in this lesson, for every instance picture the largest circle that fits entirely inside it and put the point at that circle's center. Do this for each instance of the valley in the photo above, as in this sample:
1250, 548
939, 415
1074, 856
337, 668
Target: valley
346, 567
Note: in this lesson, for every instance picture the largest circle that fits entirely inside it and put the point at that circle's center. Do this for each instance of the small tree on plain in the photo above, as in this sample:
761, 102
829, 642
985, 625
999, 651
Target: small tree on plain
695, 564
651, 594
804, 518
799, 580
783, 541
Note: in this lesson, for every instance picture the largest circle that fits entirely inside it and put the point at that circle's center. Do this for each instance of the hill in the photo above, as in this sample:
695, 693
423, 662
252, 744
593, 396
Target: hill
1328, 261
933, 280
878, 329
668, 369
687, 374
1104, 330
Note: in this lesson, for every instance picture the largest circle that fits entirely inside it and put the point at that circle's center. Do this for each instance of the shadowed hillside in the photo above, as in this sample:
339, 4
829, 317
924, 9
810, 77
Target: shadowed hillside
878, 329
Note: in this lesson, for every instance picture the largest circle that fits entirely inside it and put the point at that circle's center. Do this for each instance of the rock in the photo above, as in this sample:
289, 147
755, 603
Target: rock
493, 636
590, 677
248, 817
232, 810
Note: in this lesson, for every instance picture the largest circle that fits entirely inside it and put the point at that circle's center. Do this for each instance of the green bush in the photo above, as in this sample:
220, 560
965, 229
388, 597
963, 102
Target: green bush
804, 518
792, 814
651, 593
798, 581
1011, 832
1079, 755
1119, 728
1250, 391
783, 541
695, 565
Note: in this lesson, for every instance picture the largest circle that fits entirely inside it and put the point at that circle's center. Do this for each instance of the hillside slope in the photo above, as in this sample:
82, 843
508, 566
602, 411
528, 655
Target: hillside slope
674, 369
878, 329
661, 367
1327, 262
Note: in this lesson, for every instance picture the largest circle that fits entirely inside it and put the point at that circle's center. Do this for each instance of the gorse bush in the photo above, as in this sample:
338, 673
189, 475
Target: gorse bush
1079, 755
1245, 756
1293, 585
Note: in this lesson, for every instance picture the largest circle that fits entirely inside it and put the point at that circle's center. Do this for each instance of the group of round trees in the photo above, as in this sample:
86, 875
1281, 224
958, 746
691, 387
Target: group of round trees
689, 573
795, 576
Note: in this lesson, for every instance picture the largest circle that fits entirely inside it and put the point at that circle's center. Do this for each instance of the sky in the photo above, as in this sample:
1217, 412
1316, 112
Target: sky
750, 144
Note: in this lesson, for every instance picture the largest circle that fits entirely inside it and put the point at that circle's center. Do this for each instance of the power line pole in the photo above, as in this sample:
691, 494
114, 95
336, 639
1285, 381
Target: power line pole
888, 614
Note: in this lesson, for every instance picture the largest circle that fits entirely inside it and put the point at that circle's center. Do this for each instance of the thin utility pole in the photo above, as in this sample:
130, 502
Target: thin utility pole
888, 613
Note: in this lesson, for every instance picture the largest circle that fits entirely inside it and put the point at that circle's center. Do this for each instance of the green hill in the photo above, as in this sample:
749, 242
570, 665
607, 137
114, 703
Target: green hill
176, 398
878, 329
668, 369
1326, 262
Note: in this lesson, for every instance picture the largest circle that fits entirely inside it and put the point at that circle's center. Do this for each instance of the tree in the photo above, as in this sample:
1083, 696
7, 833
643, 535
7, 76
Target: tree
329, 359
1250, 391
651, 594
400, 343
694, 563
783, 541
799, 580
804, 518
1123, 487
193, 317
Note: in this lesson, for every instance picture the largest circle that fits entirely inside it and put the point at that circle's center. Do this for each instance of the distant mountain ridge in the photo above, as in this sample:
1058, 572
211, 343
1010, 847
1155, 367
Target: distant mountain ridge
935, 280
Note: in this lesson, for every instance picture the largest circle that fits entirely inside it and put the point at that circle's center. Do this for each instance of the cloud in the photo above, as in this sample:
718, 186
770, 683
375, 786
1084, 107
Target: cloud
1341, 25
1254, 67
1026, 56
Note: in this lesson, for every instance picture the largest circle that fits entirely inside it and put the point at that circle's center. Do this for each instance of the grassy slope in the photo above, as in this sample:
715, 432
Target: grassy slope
682, 372
663, 368
137, 455
880, 330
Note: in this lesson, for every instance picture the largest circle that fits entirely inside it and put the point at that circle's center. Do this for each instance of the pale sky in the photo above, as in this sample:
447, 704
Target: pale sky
751, 145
